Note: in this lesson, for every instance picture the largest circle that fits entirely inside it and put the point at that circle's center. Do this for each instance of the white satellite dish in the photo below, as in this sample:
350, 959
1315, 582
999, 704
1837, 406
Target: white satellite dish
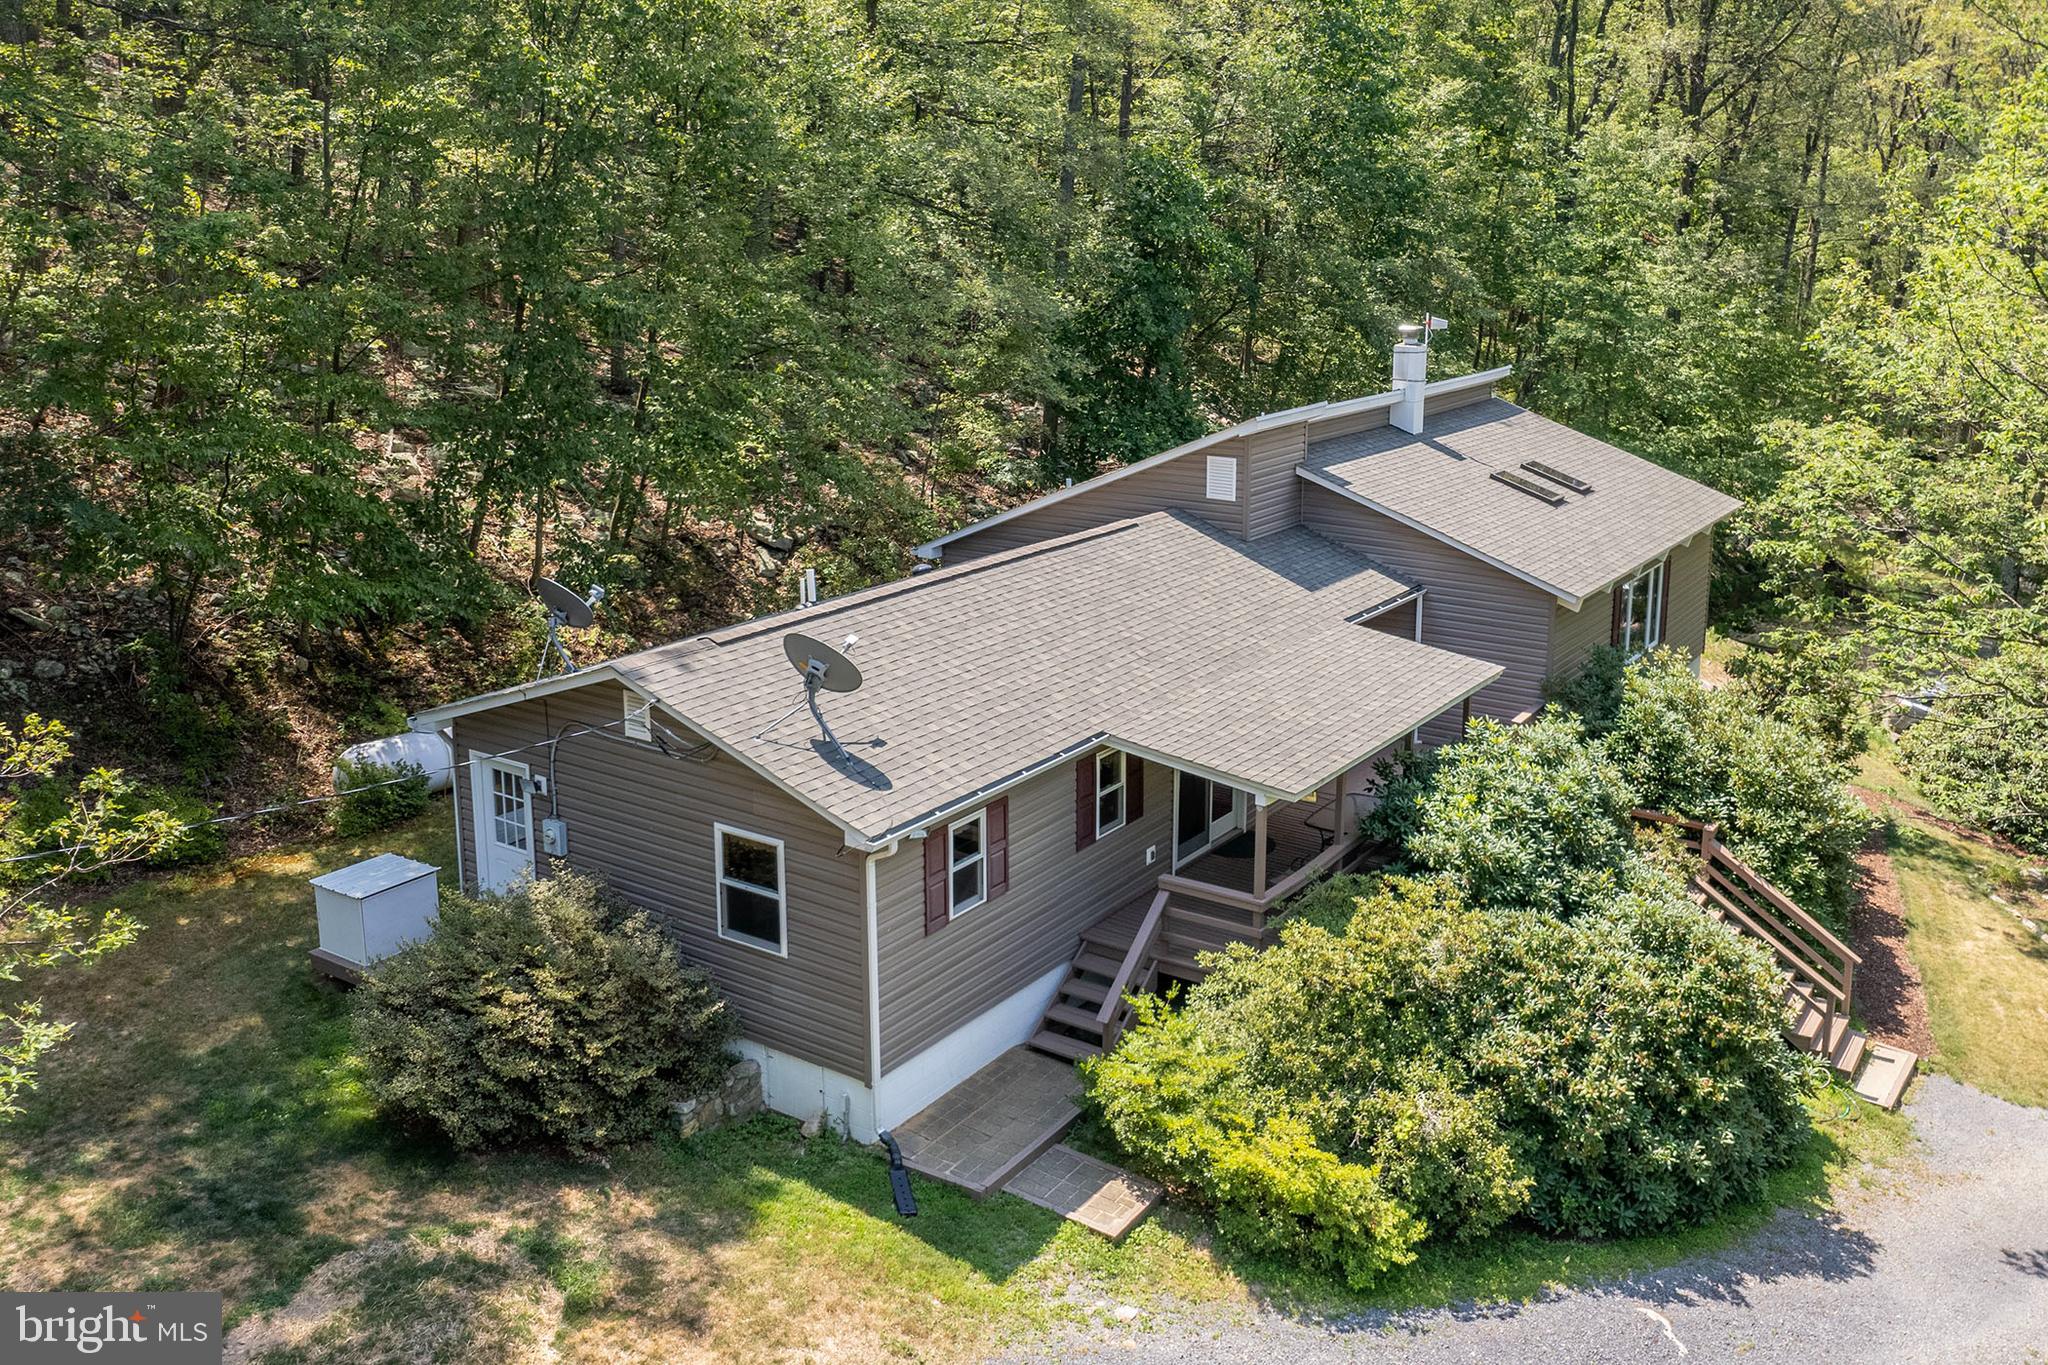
565, 609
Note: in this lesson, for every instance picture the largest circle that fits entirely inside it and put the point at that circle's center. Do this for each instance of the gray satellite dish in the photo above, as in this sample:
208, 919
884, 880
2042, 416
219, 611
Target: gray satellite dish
576, 612
833, 671
565, 609
823, 669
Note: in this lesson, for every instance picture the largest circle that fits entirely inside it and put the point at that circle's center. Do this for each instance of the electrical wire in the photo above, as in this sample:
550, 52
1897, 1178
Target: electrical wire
691, 753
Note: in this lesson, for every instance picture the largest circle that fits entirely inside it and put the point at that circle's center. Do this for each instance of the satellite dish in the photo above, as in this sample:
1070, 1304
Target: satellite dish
575, 611
565, 608
823, 667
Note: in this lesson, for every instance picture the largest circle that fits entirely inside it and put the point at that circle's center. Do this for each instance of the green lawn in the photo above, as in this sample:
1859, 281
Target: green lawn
207, 1128
1985, 972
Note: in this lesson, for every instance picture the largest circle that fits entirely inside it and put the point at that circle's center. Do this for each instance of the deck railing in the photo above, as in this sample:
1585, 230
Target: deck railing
1738, 894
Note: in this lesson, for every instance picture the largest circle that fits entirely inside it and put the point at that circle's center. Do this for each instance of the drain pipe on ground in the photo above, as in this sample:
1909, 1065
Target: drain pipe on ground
899, 1178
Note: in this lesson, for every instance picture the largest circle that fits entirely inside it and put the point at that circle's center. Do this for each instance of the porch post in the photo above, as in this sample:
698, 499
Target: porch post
1259, 849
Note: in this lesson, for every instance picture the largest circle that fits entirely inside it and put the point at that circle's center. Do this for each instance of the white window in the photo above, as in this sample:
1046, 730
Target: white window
967, 865
636, 726
1223, 478
1642, 611
1109, 792
508, 808
752, 908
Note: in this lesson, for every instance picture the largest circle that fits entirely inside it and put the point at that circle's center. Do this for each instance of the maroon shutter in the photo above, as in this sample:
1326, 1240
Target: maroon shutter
1664, 603
1614, 630
938, 845
1134, 788
998, 832
1464, 717
1084, 802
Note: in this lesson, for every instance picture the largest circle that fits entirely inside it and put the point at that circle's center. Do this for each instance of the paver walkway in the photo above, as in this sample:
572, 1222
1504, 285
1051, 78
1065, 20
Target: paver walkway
1000, 1129
985, 1129
1095, 1194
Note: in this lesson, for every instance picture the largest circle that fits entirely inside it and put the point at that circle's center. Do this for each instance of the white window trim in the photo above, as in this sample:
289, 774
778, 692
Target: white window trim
1122, 787
1653, 607
953, 865
721, 881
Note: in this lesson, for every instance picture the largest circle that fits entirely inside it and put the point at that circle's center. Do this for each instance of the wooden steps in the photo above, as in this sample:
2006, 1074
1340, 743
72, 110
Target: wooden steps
1064, 1045
1884, 1075
1877, 1072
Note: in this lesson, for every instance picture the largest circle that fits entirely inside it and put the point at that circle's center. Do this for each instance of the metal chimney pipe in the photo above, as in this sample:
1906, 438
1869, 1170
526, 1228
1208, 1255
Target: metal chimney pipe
1411, 373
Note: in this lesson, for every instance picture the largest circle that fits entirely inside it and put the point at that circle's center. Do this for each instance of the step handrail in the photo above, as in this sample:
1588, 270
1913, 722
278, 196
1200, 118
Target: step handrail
1141, 948
1796, 938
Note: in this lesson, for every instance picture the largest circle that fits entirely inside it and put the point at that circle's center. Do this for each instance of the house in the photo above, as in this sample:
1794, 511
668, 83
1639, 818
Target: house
1096, 733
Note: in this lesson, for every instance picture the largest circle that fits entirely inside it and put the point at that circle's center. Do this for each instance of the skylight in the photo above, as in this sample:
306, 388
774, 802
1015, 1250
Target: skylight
1529, 486
1558, 476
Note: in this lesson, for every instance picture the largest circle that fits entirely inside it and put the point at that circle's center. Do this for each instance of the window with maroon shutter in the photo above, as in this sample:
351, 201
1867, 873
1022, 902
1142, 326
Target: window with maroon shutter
935, 869
998, 847
1084, 802
1614, 627
966, 864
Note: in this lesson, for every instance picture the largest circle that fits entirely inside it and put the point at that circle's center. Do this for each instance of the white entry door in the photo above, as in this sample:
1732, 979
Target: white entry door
502, 792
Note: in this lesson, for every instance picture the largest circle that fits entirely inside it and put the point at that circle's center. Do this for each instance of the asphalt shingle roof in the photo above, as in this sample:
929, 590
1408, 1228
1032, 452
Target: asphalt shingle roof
1157, 633
1442, 481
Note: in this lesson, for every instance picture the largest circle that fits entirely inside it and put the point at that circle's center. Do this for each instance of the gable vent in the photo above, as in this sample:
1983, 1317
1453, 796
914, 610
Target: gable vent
1529, 486
1558, 476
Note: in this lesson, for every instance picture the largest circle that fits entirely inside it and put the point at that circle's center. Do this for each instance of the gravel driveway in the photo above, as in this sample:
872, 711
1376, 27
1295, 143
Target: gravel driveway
1949, 1265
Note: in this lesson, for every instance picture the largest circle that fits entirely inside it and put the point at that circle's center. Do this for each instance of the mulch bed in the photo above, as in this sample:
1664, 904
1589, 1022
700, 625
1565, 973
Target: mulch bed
1889, 993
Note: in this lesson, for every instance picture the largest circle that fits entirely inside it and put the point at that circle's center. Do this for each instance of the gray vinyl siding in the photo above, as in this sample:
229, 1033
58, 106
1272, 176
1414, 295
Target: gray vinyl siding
644, 821
1576, 634
1181, 482
1692, 571
1272, 492
933, 983
1400, 621
1469, 606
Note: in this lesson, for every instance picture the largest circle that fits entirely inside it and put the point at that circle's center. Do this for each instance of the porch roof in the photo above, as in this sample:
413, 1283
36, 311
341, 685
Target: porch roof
1158, 634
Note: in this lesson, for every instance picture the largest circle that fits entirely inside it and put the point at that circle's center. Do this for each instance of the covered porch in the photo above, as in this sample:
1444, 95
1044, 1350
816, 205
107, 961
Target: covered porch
1238, 856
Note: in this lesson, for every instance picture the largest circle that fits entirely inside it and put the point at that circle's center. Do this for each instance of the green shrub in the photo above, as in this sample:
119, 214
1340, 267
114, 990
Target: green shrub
1615, 1073
1775, 789
1593, 694
1175, 1104
1529, 816
34, 826
551, 1015
377, 796
199, 842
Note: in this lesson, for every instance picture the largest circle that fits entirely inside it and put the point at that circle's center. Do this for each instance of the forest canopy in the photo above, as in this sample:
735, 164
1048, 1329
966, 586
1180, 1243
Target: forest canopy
324, 329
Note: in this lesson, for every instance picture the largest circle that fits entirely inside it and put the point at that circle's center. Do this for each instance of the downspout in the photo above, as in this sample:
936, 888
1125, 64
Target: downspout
875, 976
1415, 735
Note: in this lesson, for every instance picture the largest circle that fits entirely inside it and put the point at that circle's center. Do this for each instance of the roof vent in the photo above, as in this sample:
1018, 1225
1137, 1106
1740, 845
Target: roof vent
1529, 486
1558, 476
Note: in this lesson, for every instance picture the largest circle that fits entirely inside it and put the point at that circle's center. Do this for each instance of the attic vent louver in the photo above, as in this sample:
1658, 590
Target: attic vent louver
1529, 486
1558, 476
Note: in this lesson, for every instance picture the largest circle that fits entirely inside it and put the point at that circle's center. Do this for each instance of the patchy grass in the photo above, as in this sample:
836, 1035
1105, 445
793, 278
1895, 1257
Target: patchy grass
1986, 973
208, 1127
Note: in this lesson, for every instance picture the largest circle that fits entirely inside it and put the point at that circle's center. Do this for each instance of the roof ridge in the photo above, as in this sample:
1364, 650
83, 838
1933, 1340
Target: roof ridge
825, 608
